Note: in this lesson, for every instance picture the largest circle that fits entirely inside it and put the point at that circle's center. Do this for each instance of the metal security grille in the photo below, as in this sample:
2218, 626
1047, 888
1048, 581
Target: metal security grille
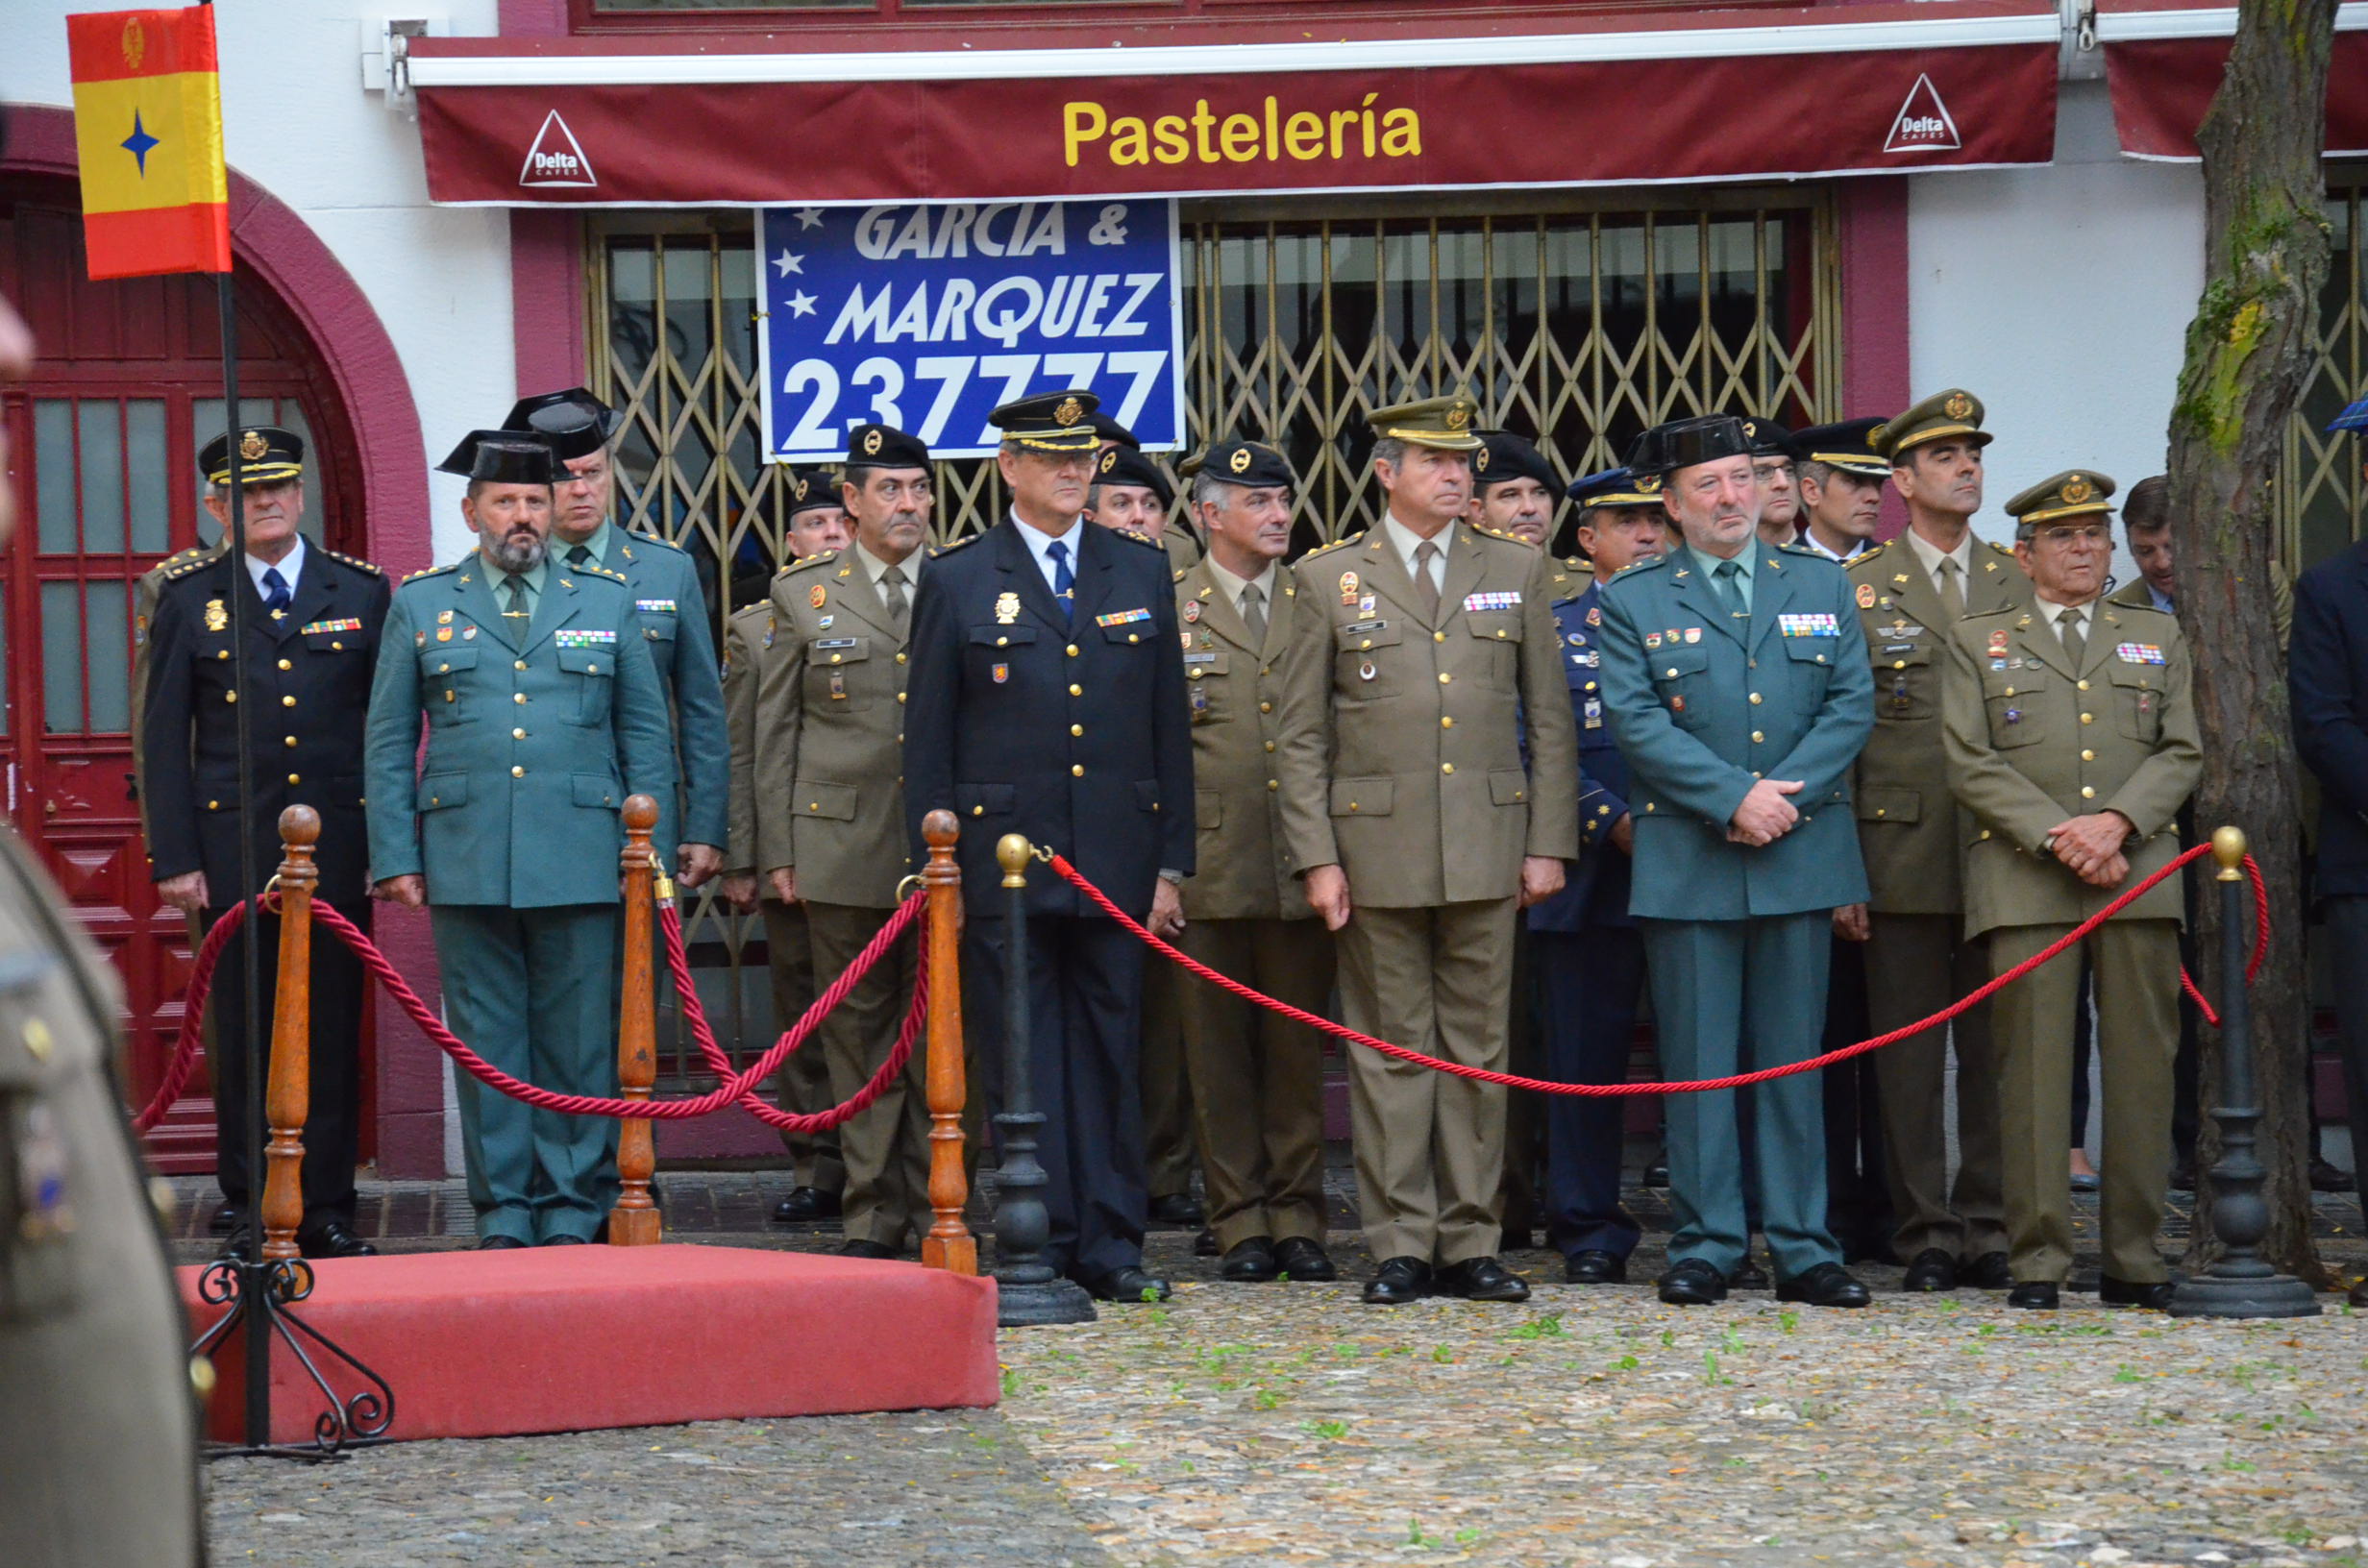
2323, 495
1576, 320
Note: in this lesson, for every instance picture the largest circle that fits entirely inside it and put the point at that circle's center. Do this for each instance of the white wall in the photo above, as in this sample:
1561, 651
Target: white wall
2061, 296
299, 124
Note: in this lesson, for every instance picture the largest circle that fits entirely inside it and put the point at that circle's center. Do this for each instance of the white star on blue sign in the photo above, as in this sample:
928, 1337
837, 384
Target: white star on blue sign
801, 304
789, 263
809, 217
138, 142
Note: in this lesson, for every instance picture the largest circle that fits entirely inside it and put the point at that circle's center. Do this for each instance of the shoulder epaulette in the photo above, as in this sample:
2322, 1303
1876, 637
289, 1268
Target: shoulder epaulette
1809, 550
191, 560
750, 611
432, 571
637, 537
1579, 563
1509, 538
959, 544
1865, 555
593, 568
1639, 565
1996, 615
1134, 538
820, 557
1337, 544
355, 562
2008, 550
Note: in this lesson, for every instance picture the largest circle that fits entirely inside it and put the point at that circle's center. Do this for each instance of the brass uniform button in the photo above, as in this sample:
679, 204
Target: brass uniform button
1755, 699
1446, 723
229, 697
2083, 685
2088, 717
517, 697
287, 701
293, 778
900, 658
1438, 636
2088, 792
517, 734
1077, 690
517, 772
1076, 770
519, 664
1269, 746
1076, 729
1446, 767
2087, 755
1266, 708
1275, 783
285, 665
1757, 738
1445, 678
1073, 650
291, 740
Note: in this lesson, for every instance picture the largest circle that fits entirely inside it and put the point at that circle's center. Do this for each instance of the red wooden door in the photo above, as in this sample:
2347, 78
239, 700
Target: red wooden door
127, 386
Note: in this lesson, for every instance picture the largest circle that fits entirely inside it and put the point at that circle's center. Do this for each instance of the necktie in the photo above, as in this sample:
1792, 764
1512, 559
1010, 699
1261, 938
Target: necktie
516, 588
1063, 580
275, 592
1254, 614
892, 589
1427, 586
1951, 596
579, 556
1730, 580
2069, 629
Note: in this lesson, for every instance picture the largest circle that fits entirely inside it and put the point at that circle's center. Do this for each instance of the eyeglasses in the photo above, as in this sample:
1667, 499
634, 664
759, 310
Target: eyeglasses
2097, 536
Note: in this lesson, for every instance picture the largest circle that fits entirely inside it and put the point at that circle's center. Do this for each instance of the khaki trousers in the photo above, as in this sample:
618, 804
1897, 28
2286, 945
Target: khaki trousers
1167, 1095
886, 1146
1257, 1077
803, 1084
1430, 1146
1915, 966
2135, 964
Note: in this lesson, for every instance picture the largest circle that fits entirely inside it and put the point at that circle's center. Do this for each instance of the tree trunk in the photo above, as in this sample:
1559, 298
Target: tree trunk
2249, 350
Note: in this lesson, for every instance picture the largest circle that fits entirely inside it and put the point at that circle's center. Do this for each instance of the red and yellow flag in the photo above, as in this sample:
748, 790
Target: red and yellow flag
148, 124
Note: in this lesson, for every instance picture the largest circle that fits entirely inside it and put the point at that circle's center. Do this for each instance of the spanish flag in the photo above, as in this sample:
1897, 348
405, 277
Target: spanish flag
148, 126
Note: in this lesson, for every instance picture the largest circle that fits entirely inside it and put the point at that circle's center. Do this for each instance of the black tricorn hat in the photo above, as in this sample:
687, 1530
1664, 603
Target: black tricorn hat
1682, 443
576, 422
504, 458
1124, 465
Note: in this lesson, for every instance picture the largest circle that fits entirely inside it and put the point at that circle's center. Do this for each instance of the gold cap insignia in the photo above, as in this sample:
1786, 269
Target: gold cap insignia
1649, 483
1458, 416
1958, 407
253, 447
1069, 412
1239, 462
1110, 459
798, 488
1751, 429
2078, 489
1874, 439
1480, 461
871, 443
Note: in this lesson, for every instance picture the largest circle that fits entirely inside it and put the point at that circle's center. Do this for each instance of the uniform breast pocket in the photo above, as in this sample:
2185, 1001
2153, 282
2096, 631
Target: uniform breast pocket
2138, 700
593, 674
1130, 633
1906, 681
1363, 667
991, 660
1501, 629
1681, 678
1204, 686
2013, 705
333, 642
659, 627
1812, 663
833, 666
443, 675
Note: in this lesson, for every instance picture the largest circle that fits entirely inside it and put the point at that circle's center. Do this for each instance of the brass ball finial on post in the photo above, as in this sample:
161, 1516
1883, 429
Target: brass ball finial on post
949, 1245
635, 1221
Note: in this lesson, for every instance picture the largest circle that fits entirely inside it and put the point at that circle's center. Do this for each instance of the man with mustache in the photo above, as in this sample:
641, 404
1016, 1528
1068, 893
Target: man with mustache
544, 712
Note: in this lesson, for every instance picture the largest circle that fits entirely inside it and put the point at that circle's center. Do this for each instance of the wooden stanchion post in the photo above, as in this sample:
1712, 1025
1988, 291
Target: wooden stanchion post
635, 1221
949, 1245
287, 1097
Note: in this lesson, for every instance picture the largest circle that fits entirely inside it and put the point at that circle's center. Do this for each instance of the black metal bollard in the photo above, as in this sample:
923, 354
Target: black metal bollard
2242, 1283
1027, 1292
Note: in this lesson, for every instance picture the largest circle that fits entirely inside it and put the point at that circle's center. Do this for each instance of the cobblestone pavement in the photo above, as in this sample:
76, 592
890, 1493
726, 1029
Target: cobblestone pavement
1288, 1423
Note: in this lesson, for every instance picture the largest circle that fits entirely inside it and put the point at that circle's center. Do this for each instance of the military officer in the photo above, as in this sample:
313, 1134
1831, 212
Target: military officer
1585, 950
1047, 699
672, 608
1735, 679
1773, 455
1840, 479
2071, 739
1417, 649
313, 618
830, 738
1129, 492
100, 1442
1909, 594
544, 712
1257, 1078
1514, 488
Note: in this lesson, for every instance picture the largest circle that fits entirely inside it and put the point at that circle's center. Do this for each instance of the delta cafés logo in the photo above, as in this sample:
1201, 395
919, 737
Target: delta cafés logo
1923, 124
556, 158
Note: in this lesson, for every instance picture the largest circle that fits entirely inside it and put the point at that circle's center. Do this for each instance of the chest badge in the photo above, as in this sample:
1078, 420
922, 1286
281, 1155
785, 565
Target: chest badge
1002, 673
1866, 596
1998, 645
1191, 613
838, 685
1348, 588
218, 618
1006, 609
1594, 615
818, 595
1366, 671
1677, 704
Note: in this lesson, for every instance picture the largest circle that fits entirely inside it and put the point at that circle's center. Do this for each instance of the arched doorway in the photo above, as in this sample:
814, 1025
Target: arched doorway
127, 386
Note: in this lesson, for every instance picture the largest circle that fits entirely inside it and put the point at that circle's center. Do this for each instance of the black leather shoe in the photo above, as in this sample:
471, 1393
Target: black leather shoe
1513, 1241
1204, 1245
1748, 1275
805, 1206
1693, 1283
1988, 1272
1179, 1209
1656, 1174
226, 1219
1400, 1281
1931, 1270
1128, 1284
1302, 1258
2113, 1292
1595, 1266
1482, 1279
1250, 1263
1827, 1284
2035, 1295
859, 1247
565, 1241
499, 1243
330, 1239
2328, 1177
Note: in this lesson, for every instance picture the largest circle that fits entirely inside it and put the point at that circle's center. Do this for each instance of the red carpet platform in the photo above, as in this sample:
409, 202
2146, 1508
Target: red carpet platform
566, 1339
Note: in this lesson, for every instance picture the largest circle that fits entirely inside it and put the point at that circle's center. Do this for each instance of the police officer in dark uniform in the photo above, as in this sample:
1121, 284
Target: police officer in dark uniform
1584, 948
1046, 699
312, 620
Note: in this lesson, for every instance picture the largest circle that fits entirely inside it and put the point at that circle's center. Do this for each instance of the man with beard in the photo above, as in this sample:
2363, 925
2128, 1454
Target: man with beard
544, 712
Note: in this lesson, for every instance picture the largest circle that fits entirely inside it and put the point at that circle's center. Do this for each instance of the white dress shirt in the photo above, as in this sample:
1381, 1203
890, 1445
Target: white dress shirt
1038, 542
291, 567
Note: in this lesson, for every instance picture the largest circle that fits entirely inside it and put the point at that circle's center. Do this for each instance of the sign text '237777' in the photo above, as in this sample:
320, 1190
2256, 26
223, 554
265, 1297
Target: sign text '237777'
927, 317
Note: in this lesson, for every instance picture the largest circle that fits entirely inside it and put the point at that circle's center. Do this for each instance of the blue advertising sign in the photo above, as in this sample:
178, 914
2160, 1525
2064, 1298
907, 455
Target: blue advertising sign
926, 316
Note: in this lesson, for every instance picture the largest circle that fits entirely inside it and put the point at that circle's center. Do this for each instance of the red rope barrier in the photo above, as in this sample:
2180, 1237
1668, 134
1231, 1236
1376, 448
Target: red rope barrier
192, 1021
1101, 900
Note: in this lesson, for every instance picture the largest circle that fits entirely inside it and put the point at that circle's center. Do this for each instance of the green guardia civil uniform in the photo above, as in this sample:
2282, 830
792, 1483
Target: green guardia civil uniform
539, 725
1704, 701
750, 642
2036, 734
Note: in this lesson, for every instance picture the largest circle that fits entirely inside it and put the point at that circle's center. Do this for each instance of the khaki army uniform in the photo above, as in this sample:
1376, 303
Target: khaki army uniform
99, 1442
1403, 765
1257, 1078
829, 755
1918, 956
804, 1084
2033, 739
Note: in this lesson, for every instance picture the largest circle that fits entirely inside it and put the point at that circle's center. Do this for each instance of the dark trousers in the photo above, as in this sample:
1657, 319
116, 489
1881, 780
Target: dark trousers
1588, 985
1857, 1203
2346, 927
1085, 981
333, 1121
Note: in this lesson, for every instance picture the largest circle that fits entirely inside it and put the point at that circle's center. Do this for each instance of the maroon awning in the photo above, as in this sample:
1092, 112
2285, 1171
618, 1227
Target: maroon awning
726, 120
2164, 62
